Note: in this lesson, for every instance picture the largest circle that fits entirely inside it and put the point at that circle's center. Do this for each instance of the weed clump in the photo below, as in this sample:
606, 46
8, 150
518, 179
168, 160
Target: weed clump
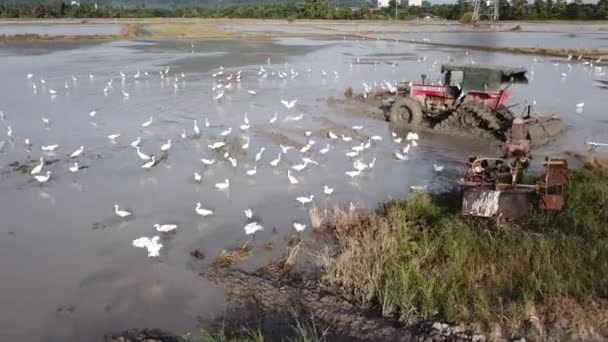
419, 259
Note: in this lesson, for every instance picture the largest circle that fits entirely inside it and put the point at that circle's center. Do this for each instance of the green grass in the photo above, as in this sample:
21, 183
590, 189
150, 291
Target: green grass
420, 259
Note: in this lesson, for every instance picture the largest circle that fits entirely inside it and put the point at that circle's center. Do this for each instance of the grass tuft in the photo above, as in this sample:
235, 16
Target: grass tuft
419, 259
230, 258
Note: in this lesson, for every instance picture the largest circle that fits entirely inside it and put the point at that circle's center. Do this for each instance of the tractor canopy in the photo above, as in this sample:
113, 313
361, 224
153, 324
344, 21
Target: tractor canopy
485, 78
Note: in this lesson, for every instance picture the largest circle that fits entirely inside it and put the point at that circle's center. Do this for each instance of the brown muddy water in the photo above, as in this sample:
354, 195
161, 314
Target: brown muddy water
69, 271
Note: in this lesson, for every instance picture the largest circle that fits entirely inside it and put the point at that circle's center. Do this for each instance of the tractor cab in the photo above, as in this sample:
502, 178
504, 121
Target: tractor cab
465, 82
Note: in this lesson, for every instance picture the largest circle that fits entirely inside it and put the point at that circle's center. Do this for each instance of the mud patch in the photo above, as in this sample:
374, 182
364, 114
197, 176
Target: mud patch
285, 292
357, 106
279, 138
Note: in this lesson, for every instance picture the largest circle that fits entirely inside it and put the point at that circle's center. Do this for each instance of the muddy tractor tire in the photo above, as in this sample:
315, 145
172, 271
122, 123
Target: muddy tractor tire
406, 111
473, 119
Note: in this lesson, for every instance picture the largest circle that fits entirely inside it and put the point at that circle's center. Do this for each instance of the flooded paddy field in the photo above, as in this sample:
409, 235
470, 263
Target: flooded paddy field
69, 270
60, 29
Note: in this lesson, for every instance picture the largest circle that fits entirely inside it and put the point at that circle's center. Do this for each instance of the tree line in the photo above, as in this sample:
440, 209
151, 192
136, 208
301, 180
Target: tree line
314, 9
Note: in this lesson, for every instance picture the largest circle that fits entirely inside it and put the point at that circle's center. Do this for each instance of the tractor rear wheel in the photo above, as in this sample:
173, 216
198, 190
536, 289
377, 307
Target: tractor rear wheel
406, 111
474, 119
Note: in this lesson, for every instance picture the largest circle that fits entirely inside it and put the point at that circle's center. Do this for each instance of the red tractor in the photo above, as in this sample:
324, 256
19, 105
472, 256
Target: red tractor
471, 99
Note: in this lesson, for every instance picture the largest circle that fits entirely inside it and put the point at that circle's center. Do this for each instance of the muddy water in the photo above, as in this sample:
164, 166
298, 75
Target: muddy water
69, 272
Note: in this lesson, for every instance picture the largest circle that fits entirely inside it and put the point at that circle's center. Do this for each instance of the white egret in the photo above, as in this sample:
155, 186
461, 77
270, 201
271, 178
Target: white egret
412, 136
149, 164
325, 149
207, 124
136, 142
165, 228
147, 123
292, 179
400, 156
258, 156
273, 119
289, 104
46, 120
332, 135
419, 188
226, 132
297, 117
438, 168
197, 177
183, 135
304, 199
305, 148
113, 137
407, 147
346, 138
352, 174
376, 138
49, 148
276, 161
216, 145
352, 154
43, 179
74, 168
121, 213
358, 148
232, 161
252, 92
197, 131
327, 190
299, 226
284, 149
246, 144
142, 155
358, 165
372, 163
36, 170
252, 172
580, 105
208, 162
151, 245
77, 152
357, 127
248, 213
223, 186
252, 228
202, 211
166, 147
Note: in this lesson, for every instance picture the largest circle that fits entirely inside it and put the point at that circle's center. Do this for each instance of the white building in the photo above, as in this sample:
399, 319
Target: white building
414, 3
385, 3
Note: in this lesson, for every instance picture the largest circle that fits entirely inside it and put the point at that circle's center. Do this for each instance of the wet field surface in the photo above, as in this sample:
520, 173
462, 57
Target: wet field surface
69, 270
55, 30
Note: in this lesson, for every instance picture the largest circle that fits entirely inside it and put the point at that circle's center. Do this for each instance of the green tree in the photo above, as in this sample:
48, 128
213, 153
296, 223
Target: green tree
558, 11
540, 8
519, 9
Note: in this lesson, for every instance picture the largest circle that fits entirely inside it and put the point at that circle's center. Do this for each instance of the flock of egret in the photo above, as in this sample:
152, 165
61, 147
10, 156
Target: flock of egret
353, 147
223, 83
